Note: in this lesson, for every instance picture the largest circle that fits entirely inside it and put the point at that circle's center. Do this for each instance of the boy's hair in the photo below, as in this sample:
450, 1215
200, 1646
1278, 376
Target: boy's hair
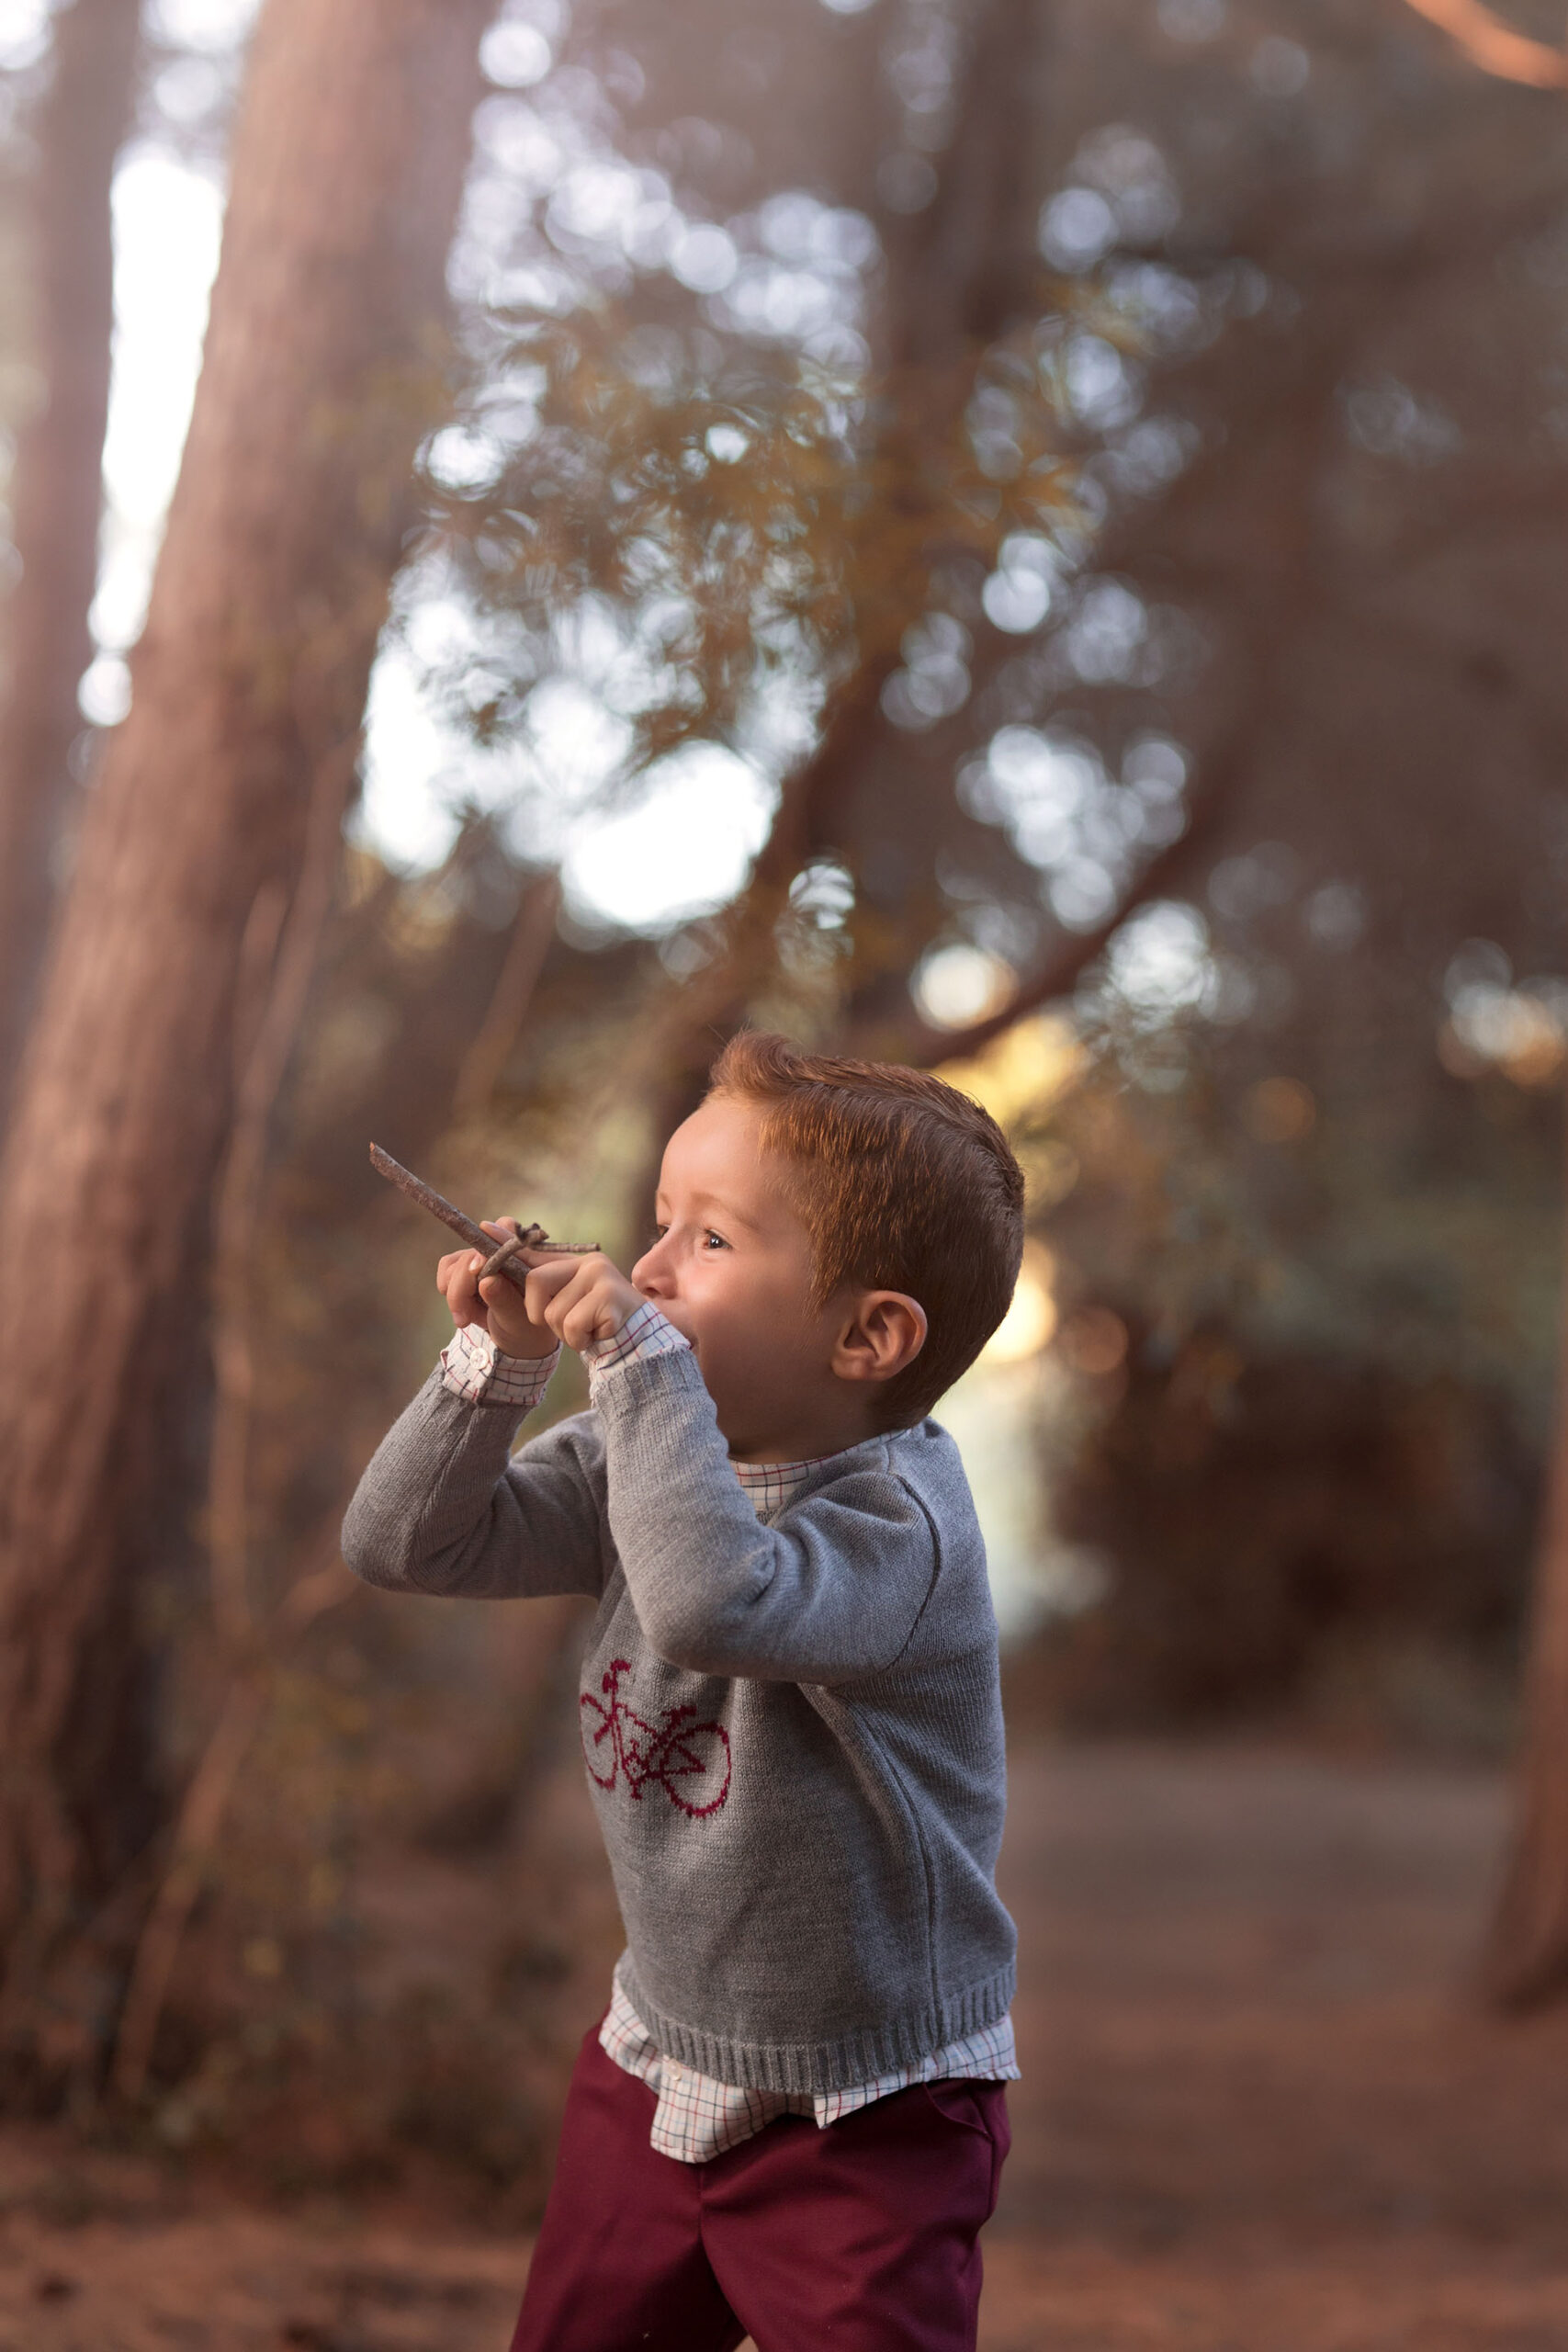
903, 1183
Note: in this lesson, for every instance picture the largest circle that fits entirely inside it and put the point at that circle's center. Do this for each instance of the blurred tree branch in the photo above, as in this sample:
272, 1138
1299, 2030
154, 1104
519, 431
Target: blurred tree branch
1495, 45
1172, 868
497, 1034
959, 274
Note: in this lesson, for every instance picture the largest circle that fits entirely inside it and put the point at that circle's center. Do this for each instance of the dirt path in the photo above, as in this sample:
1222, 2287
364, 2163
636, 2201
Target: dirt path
1260, 2115
1257, 2116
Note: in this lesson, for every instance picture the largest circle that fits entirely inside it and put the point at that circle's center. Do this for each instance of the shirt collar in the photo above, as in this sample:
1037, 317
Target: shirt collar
771, 1485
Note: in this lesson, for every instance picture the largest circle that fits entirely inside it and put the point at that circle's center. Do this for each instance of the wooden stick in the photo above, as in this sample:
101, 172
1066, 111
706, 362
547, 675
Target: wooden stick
498, 1258
507, 1258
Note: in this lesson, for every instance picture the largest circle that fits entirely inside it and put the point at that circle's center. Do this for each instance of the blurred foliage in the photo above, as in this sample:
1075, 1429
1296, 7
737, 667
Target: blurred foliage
1299, 1386
739, 523
1230, 555
1301, 1537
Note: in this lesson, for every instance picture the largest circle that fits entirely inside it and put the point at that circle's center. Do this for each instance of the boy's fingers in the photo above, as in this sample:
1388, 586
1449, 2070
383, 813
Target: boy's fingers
547, 1282
579, 1279
500, 1308
563, 1295
512, 1317
594, 1307
503, 1291
506, 1311
462, 1288
579, 1325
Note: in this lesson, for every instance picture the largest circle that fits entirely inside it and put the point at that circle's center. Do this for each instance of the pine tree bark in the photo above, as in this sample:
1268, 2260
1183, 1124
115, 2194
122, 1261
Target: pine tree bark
326, 361
55, 509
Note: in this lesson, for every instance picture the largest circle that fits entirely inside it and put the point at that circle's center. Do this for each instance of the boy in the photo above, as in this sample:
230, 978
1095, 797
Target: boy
791, 2120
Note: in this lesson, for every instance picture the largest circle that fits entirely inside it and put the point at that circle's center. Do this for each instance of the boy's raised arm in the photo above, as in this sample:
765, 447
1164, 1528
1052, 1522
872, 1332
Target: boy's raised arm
444, 1507
831, 1595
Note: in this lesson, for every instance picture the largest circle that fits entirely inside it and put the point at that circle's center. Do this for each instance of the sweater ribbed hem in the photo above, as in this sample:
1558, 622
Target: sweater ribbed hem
641, 1380
853, 2058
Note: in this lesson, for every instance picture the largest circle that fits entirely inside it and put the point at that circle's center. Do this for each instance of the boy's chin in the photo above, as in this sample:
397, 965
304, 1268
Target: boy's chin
739, 1433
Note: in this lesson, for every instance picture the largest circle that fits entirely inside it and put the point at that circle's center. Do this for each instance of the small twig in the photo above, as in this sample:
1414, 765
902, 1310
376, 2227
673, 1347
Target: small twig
532, 1242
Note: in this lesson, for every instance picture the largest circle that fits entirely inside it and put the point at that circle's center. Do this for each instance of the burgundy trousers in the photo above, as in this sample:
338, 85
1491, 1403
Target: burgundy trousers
857, 2238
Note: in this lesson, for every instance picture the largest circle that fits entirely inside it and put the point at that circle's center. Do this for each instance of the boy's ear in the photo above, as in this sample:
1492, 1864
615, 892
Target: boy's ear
885, 1331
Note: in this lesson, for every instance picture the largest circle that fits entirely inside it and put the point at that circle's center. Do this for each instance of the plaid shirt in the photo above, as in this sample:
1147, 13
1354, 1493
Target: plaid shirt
472, 1366
696, 2117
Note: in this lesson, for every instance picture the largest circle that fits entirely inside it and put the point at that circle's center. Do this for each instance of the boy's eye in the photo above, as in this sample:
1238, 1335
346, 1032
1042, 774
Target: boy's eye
712, 1240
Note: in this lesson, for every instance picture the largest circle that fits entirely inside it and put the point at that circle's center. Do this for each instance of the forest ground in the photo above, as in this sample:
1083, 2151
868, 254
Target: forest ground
1259, 2114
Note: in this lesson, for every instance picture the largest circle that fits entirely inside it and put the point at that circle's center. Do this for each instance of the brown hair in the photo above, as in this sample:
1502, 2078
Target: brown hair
903, 1183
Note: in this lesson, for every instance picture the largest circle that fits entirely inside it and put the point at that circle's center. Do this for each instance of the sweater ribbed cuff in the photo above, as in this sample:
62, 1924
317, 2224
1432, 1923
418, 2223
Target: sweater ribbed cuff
640, 1379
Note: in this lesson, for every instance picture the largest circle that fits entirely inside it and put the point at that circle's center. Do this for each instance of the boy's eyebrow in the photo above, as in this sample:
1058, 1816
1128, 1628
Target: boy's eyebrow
728, 1213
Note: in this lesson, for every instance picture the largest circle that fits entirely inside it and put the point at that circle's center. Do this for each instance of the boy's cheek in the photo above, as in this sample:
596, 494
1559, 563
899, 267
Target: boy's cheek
680, 1317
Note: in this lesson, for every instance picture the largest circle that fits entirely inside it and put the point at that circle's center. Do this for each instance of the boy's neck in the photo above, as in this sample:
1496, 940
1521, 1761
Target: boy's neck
809, 1439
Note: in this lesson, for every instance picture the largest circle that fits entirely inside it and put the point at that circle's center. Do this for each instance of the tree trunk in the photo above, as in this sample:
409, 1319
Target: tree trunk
81, 122
1526, 1961
325, 363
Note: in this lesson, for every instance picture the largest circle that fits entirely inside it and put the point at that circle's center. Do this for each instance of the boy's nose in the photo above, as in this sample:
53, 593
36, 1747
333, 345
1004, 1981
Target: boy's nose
648, 1274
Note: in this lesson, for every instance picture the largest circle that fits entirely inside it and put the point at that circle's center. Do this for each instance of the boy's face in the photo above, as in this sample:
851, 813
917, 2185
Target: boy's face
732, 1271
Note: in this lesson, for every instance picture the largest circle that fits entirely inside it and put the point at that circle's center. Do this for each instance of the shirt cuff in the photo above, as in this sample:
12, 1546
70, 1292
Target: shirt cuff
644, 1333
473, 1367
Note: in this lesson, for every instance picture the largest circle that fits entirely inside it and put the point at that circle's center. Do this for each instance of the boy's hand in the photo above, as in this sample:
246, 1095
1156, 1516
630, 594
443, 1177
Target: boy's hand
573, 1300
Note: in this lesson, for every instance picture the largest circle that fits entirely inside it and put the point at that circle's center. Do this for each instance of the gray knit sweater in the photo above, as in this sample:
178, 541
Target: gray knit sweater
791, 1724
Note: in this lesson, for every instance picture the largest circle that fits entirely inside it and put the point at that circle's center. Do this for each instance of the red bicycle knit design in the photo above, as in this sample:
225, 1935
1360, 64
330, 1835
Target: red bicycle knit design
675, 1749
